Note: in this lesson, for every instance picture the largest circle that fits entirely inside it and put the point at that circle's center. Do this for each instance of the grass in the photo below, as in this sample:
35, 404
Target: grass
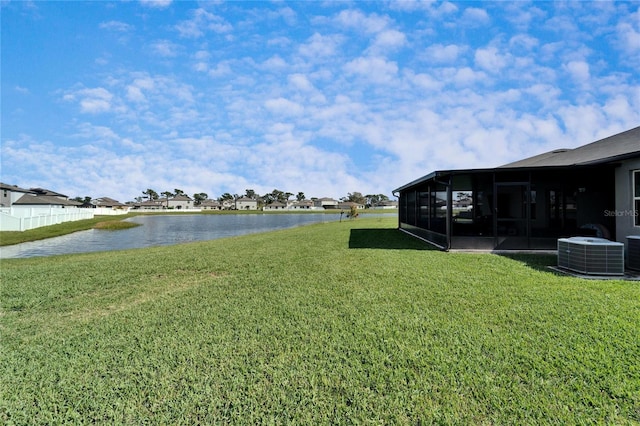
335, 323
16, 237
113, 225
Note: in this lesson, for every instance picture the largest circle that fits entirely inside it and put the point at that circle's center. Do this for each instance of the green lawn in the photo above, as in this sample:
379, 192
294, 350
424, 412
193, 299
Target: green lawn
335, 323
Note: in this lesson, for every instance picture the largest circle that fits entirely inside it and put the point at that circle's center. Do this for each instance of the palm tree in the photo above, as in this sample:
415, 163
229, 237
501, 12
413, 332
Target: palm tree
167, 194
199, 198
151, 194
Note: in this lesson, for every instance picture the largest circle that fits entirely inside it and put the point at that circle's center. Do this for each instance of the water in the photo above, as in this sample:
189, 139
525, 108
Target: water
161, 230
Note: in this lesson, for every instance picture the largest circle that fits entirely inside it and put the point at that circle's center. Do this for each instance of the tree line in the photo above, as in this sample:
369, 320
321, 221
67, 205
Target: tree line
370, 200
276, 195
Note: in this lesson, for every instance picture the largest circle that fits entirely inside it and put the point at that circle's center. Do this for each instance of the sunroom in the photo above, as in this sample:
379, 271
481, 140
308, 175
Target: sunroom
508, 208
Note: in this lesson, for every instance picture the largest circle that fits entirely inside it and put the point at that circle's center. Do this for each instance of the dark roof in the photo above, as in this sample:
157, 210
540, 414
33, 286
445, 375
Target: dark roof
48, 192
180, 197
108, 202
44, 200
150, 203
14, 188
614, 148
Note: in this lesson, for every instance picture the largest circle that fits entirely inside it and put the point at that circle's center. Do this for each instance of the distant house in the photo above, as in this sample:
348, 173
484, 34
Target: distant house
326, 203
31, 200
246, 203
150, 205
9, 194
349, 204
12, 195
106, 202
302, 205
180, 202
24, 209
386, 205
107, 206
47, 192
211, 205
528, 204
276, 205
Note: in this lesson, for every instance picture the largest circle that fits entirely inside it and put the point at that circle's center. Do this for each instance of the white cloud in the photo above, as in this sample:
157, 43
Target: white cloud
300, 82
490, 60
282, 106
463, 77
116, 26
165, 48
158, 4
424, 81
275, 63
92, 101
375, 69
475, 17
627, 32
135, 89
444, 54
320, 46
523, 42
387, 40
222, 69
578, 70
523, 15
372, 23
201, 22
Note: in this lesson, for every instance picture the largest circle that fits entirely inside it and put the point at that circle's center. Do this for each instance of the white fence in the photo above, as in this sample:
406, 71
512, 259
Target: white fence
108, 211
25, 218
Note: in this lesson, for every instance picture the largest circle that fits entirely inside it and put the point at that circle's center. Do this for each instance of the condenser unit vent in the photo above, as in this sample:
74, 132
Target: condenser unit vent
593, 256
633, 252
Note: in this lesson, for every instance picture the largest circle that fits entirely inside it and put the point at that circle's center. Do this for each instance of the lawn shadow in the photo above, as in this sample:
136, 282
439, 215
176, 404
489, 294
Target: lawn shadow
540, 262
389, 239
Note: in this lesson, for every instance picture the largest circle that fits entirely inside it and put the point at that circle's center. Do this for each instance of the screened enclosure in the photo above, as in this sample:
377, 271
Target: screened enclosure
508, 208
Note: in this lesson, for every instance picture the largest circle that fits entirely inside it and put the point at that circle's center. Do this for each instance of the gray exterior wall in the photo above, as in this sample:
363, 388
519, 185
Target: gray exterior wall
624, 201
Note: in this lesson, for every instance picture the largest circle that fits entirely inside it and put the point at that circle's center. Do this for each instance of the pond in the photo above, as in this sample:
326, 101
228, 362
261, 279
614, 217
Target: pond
159, 230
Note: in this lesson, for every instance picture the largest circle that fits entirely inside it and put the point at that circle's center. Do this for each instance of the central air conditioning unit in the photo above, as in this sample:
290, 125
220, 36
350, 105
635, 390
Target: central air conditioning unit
633, 252
590, 255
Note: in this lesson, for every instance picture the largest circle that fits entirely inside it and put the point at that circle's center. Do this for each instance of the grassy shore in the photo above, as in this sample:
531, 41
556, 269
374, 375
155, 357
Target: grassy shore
16, 237
339, 323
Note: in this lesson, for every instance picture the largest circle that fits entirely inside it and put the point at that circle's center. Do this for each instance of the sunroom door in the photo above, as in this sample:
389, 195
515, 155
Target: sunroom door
511, 225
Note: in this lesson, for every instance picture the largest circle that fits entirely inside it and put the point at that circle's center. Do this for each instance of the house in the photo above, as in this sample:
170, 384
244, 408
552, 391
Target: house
326, 203
109, 203
150, 205
32, 200
9, 194
528, 204
47, 192
180, 202
245, 203
347, 205
107, 206
386, 205
302, 205
276, 205
210, 205
24, 209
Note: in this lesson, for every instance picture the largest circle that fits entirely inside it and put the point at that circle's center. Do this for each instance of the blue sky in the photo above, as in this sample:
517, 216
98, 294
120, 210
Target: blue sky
111, 98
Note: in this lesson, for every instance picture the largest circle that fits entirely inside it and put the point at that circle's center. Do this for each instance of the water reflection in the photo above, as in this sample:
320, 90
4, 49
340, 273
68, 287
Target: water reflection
162, 230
